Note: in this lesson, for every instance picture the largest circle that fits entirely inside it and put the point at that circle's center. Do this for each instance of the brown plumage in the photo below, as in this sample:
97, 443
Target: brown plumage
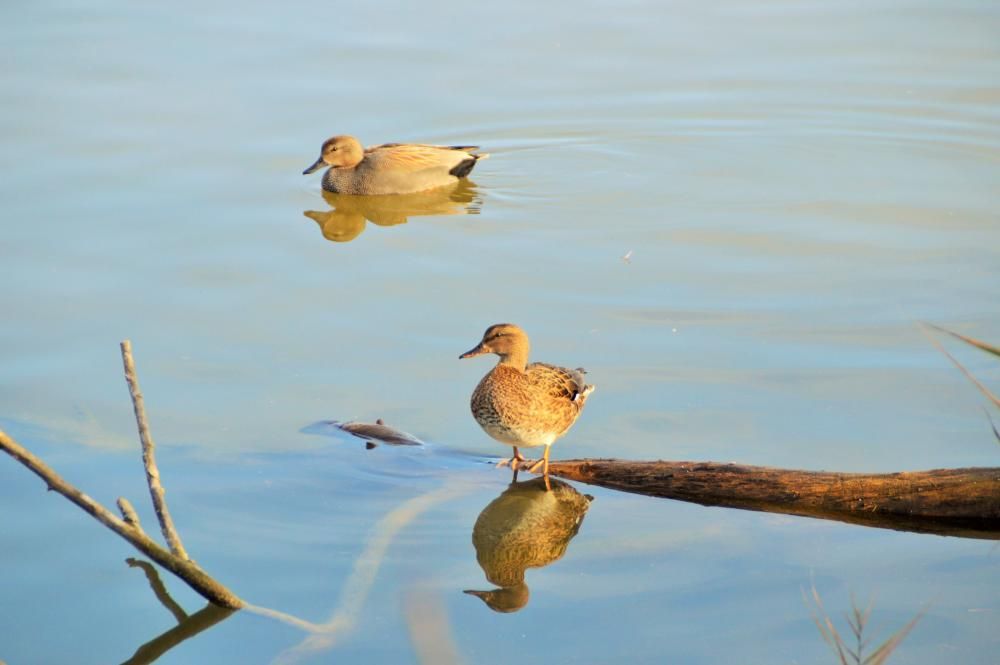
525, 405
391, 168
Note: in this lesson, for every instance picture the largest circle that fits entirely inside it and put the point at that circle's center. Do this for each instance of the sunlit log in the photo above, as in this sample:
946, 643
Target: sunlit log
953, 502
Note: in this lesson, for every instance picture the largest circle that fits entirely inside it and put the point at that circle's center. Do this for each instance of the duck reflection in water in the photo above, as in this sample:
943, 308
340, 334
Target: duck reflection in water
525, 527
349, 214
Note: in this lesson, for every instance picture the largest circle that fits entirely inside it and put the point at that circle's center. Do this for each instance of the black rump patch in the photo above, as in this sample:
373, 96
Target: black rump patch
463, 168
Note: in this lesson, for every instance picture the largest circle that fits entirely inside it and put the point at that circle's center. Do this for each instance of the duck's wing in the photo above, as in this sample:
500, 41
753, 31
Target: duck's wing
560, 382
413, 157
460, 148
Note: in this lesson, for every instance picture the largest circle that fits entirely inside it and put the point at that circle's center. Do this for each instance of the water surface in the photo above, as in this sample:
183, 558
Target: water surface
795, 185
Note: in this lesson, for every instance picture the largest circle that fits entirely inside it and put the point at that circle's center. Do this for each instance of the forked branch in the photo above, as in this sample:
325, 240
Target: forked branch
185, 569
175, 559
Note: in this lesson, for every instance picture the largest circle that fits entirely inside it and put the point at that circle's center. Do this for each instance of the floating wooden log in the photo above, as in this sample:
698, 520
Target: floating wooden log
950, 502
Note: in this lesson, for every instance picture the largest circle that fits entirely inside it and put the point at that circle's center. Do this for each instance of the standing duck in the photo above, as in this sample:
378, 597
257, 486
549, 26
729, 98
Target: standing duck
391, 168
525, 405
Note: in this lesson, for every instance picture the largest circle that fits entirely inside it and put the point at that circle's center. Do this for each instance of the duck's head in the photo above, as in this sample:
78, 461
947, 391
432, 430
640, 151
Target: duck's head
504, 339
504, 599
338, 151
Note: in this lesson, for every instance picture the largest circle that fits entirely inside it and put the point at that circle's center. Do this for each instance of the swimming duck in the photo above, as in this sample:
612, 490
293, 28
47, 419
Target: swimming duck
525, 405
391, 168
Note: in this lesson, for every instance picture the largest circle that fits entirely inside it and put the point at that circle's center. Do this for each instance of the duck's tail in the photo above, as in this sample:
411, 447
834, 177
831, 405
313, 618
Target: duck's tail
583, 389
464, 167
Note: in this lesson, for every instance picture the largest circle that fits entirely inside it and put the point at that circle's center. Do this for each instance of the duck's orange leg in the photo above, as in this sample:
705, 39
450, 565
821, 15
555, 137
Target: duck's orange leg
513, 462
544, 463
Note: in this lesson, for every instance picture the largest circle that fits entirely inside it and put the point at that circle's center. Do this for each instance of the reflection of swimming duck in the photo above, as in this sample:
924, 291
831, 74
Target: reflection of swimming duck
347, 218
525, 527
391, 168
521, 404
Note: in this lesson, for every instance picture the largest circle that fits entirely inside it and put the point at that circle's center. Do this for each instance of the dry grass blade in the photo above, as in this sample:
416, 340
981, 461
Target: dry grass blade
881, 654
993, 425
983, 389
825, 626
979, 344
857, 619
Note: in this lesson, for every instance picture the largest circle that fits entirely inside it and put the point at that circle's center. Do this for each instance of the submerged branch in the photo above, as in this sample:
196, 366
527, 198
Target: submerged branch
953, 502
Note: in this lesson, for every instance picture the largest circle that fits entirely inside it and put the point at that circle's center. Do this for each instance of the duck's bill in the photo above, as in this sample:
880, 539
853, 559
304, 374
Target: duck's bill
317, 165
472, 353
478, 594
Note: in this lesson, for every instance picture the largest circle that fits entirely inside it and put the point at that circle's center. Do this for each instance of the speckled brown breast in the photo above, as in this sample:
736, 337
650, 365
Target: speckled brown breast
530, 408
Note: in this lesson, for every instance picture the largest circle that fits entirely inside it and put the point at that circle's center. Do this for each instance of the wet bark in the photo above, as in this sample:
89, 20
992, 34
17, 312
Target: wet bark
953, 502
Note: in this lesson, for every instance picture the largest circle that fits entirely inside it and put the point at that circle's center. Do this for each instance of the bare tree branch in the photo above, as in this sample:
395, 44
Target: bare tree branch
184, 568
156, 491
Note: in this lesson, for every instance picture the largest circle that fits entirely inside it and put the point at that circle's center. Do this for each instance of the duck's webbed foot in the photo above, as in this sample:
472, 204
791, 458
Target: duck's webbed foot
516, 462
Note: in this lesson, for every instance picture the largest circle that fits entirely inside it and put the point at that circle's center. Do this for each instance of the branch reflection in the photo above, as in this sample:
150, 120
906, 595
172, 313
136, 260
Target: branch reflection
187, 625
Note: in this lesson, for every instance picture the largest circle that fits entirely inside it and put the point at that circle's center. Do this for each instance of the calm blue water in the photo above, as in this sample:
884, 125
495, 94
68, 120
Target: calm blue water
796, 185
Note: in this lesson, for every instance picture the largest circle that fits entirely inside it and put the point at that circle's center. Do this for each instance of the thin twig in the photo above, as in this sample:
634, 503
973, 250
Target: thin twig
156, 491
128, 513
185, 569
983, 389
